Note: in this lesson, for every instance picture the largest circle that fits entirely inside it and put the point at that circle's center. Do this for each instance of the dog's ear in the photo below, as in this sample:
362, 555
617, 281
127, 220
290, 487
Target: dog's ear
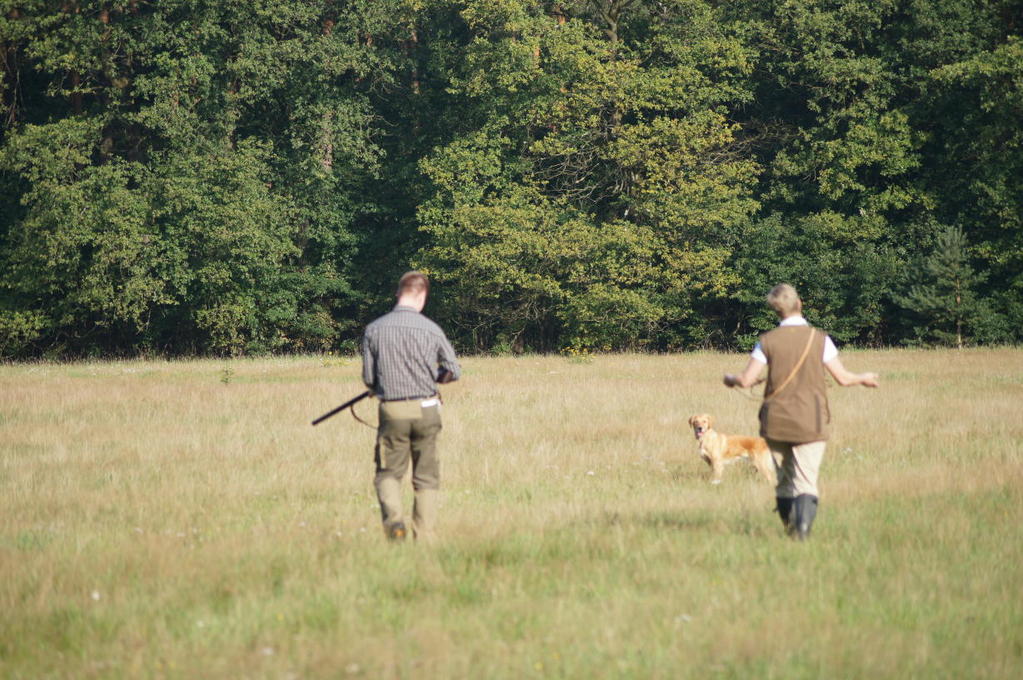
691, 419
710, 422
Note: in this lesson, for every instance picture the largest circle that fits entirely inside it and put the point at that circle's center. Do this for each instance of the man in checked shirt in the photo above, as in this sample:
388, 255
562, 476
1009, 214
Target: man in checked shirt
404, 356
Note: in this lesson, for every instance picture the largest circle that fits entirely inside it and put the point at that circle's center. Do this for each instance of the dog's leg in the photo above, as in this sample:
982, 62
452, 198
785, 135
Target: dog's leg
765, 464
718, 467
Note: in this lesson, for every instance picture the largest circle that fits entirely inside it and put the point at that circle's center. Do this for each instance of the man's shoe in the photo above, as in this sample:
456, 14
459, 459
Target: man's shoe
397, 532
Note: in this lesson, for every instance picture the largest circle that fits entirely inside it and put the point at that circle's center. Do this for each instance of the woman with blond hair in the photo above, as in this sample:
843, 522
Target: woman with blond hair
794, 416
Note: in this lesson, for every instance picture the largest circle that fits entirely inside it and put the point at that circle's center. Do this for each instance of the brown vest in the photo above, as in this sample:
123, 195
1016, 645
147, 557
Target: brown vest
799, 413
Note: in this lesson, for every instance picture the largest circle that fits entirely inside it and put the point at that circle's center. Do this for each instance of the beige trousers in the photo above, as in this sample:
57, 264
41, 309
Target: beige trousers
799, 467
408, 432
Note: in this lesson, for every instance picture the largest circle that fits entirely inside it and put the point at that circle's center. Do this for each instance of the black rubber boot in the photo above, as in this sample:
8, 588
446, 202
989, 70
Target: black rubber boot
785, 508
805, 511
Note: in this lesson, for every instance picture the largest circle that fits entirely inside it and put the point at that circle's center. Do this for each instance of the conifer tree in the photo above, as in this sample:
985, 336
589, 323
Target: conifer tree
945, 294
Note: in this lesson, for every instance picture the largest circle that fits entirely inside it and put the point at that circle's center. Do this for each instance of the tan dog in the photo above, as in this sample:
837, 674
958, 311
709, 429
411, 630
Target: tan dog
720, 449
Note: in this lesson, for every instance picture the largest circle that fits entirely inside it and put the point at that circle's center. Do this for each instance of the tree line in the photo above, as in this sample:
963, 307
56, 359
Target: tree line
243, 176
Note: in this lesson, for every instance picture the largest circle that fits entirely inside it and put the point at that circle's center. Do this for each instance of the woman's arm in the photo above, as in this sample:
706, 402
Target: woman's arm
846, 378
748, 378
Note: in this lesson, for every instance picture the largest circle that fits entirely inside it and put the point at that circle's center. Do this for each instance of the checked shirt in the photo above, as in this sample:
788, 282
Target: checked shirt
401, 354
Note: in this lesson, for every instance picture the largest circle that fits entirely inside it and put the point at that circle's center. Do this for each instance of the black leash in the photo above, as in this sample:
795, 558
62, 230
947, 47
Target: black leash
356, 416
752, 396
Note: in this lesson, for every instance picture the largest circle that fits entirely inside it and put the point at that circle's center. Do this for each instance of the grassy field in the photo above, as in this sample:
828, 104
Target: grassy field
183, 520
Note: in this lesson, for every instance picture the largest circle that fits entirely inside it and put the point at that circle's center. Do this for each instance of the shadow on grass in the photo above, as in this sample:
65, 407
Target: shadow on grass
699, 520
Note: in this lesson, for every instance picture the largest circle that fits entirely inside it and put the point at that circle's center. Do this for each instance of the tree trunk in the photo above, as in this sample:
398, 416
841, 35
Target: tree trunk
76, 94
413, 43
9, 77
959, 318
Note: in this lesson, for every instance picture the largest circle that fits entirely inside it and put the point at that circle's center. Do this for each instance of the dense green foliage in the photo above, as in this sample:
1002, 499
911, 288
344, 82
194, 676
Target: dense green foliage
199, 176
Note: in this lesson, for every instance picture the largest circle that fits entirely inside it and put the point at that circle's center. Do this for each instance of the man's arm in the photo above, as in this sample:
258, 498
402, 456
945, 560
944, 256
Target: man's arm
846, 378
369, 377
748, 378
449, 371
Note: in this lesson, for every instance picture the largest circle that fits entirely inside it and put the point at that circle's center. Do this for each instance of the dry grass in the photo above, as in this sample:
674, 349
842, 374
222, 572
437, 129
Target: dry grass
182, 519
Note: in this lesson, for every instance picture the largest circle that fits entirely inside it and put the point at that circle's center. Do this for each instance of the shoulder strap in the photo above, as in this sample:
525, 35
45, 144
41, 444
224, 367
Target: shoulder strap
799, 365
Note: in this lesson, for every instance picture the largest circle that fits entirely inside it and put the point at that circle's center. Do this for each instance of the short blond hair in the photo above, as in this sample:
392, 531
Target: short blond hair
784, 299
413, 282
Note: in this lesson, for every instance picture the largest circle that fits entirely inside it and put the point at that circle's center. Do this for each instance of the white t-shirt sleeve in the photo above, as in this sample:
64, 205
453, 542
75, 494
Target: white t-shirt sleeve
758, 354
830, 351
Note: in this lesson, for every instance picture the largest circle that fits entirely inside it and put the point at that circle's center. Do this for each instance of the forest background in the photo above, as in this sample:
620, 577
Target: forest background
248, 176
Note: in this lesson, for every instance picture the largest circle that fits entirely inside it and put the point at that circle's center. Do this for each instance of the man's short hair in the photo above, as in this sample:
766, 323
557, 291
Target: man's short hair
413, 282
784, 299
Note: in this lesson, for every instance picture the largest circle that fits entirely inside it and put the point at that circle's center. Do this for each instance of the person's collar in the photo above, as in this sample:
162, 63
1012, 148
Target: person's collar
405, 308
794, 320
